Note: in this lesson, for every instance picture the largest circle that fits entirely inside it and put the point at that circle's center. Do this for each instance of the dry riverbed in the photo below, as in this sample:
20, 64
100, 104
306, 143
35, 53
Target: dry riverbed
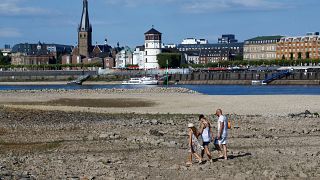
59, 145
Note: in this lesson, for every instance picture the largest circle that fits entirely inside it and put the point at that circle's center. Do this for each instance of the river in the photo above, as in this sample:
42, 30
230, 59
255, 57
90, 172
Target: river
205, 89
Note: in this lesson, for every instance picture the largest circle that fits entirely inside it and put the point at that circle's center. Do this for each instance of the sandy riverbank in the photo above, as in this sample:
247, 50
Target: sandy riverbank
163, 102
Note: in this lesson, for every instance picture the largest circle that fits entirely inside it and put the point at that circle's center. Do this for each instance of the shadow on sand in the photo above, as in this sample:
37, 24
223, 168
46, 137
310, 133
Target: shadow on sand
230, 157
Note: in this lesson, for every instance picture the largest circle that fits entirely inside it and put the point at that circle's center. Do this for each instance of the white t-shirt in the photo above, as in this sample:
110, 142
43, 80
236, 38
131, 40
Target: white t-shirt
223, 119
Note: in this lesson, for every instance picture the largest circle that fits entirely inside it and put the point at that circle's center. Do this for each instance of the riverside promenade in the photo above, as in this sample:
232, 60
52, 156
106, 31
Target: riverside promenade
205, 77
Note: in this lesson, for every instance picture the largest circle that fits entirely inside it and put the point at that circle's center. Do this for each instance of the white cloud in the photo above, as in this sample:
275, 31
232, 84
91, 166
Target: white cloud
136, 3
15, 7
198, 6
9, 33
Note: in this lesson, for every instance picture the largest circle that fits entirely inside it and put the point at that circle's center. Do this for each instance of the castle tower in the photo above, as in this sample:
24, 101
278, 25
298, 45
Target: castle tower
152, 48
85, 32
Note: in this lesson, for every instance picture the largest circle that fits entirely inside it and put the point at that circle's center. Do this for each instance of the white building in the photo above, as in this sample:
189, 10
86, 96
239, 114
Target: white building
192, 57
152, 48
124, 58
169, 46
194, 41
138, 56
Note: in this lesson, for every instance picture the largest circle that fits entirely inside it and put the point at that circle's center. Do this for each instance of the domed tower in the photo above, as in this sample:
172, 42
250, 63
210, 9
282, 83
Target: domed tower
152, 48
85, 32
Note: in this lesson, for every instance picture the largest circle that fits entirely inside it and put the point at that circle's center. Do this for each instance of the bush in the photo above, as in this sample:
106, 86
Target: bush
174, 60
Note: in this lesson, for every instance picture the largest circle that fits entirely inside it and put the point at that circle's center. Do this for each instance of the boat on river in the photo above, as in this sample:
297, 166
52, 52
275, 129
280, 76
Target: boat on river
141, 81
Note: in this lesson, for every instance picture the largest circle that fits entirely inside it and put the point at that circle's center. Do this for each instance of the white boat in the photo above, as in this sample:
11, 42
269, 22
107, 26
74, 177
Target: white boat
258, 82
141, 81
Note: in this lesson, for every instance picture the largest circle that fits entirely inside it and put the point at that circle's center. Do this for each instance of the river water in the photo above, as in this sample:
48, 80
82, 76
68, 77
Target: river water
205, 89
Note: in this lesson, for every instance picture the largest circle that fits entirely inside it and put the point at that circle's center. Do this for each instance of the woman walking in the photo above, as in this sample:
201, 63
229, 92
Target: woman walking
194, 144
207, 136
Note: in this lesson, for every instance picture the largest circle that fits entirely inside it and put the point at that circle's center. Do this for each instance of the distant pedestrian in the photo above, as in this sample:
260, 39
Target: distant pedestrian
194, 145
207, 136
221, 139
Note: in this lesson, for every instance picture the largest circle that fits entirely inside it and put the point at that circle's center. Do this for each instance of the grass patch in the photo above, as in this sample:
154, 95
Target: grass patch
28, 147
97, 103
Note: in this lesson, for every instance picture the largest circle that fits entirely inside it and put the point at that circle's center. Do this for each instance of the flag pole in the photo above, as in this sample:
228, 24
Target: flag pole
167, 73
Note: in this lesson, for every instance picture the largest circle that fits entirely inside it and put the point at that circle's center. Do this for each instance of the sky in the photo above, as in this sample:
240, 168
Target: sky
126, 21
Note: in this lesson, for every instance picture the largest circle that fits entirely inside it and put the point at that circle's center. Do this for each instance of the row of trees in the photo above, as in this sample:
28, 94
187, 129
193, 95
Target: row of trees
307, 62
175, 61
50, 66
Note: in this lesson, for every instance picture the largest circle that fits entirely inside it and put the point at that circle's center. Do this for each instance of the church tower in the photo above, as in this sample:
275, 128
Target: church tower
85, 32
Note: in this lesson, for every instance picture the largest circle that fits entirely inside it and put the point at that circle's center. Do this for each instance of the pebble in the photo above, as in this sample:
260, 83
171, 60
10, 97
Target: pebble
303, 175
103, 136
175, 167
154, 122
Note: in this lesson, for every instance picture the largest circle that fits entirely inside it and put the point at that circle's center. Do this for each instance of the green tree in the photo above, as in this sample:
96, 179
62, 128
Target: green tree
299, 55
238, 57
4, 60
174, 60
307, 55
291, 56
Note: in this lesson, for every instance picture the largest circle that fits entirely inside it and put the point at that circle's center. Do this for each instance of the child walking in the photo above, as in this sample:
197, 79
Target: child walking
194, 144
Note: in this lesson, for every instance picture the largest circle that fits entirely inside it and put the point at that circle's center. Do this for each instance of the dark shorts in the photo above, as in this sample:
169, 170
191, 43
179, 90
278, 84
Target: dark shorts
205, 143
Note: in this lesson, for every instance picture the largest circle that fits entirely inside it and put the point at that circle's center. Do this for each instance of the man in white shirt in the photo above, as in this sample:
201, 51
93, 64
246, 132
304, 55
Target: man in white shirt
221, 139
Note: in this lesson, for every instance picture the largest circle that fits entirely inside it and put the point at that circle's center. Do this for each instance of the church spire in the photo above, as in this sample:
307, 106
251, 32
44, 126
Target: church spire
85, 24
85, 32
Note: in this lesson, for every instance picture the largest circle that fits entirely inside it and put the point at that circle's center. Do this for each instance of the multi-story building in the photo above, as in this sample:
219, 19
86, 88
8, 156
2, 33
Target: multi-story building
261, 48
299, 47
214, 55
138, 56
227, 38
226, 50
124, 58
192, 57
37, 59
36, 54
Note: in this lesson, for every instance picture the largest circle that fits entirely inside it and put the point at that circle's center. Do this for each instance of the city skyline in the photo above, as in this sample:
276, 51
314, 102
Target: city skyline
125, 21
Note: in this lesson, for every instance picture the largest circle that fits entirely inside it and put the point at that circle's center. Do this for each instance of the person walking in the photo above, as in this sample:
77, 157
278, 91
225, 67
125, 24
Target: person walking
194, 144
221, 139
207, 136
